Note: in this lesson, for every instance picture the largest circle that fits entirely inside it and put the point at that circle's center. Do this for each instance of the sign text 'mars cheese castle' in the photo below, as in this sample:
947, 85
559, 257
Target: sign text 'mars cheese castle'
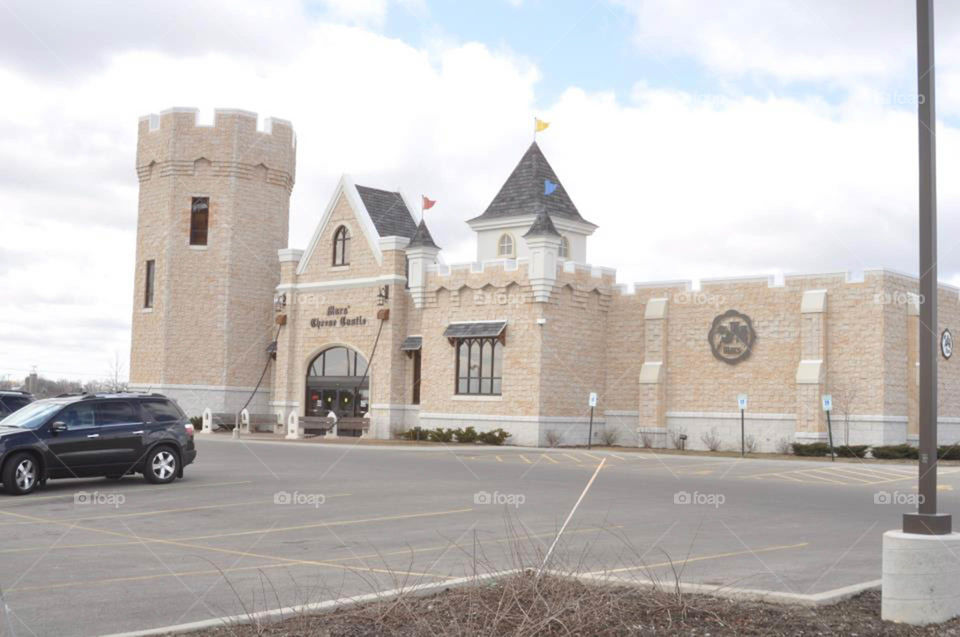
369, 325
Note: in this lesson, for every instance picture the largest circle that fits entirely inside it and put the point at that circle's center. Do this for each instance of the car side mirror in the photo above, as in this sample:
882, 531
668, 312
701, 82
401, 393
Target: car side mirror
58, 427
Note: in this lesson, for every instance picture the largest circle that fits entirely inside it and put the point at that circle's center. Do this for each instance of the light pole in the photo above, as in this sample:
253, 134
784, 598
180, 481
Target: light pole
926, 521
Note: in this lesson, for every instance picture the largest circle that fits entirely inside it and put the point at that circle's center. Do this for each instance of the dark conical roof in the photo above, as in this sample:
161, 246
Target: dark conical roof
522, 193
542, 225
422, 237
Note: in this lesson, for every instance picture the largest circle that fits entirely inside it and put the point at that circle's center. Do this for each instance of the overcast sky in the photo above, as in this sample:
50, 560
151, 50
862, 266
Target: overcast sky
705, 138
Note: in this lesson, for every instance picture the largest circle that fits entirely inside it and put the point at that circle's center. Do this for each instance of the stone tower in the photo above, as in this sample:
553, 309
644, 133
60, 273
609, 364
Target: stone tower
213, 211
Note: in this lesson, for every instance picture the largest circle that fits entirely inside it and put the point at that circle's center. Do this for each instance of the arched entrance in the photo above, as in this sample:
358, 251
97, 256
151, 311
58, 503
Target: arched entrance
337, 381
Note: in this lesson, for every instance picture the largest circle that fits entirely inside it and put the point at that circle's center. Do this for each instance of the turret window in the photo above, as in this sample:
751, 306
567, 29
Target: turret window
505, 246
199, 220
564, 248
341, 246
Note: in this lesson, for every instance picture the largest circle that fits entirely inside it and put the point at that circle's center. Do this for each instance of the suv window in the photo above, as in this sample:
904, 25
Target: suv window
79, 416
13, 403
162, 410
116, 412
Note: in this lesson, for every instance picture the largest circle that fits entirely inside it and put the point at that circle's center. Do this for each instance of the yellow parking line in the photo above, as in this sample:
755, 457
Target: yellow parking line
842, 472
139, 514
215, 549
499, 459
813, 474
549, 458
138, 578
526, 459
318, 525
681, 563
574, 458
592, 456
138, 490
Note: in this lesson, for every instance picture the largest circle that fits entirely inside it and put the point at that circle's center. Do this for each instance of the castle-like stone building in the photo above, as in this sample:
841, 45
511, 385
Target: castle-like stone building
370, 325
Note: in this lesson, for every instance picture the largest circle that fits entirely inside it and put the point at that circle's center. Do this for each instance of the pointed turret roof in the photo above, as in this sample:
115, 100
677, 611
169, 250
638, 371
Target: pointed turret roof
542, 226
523, 192
422, 237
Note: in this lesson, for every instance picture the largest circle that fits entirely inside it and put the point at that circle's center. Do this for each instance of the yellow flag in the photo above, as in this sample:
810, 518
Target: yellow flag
539, 125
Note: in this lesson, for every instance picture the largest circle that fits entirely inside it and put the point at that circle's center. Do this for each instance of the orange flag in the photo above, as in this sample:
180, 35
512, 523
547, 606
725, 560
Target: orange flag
427, 202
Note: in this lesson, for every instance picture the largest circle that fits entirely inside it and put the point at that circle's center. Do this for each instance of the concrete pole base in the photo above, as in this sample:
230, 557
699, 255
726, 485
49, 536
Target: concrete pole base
920, 575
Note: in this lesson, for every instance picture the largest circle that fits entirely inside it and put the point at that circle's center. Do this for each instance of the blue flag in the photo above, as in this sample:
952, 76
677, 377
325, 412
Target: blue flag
548, 187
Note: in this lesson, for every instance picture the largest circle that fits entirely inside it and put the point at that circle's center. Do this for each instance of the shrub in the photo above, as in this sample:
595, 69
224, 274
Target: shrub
553, 438
467, 435
784, 446
811, 449
948, 452
440, 435
895, 452
197, 422
495, 437
417, 433
646, 439
750, 444
710, 439
852, 451
609, 436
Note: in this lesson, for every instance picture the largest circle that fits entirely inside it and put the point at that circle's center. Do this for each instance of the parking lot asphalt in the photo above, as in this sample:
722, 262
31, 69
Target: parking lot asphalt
257, 525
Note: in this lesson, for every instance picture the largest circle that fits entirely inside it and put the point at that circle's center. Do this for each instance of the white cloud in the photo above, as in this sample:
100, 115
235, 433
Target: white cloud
681, 186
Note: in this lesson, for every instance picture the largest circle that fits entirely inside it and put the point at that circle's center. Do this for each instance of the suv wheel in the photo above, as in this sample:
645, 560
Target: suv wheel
20, 474
161, 466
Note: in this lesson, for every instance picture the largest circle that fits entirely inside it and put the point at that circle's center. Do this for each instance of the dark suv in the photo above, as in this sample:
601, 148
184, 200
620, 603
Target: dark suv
12, 400
94, 435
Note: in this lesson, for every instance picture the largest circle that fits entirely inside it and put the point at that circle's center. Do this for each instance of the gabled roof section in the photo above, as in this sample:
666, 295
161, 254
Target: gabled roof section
347, 189
523, 192
388, 212
422, 237
542, 226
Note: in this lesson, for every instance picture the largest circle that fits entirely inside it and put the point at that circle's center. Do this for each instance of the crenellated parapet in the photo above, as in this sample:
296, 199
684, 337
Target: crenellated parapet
173, 144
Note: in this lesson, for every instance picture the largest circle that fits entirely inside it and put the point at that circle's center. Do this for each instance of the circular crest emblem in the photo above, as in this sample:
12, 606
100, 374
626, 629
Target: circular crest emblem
732, 337
946, 344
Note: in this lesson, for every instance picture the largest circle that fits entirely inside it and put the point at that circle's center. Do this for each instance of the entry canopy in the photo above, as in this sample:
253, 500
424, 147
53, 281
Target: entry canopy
411, 344
480, 329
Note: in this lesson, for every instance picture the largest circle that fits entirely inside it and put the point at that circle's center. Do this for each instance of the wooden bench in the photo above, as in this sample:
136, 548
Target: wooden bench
258, 422
316, 425
353, 426
223, 420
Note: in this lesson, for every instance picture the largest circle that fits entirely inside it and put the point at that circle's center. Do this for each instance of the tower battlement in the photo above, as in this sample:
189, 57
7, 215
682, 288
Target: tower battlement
173, 143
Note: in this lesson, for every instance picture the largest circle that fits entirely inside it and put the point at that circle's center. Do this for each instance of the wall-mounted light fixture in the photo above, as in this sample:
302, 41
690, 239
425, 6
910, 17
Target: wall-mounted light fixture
383, 295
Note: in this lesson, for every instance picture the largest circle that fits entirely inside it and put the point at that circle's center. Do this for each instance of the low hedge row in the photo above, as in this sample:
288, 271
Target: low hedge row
468, 435
883, 452
823, 449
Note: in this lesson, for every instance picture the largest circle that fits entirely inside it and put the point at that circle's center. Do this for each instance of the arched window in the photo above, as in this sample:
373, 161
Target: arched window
341, 246
564, 248
505, 246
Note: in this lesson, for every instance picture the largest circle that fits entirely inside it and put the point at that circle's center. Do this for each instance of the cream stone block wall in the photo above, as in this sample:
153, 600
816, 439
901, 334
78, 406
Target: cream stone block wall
212, 315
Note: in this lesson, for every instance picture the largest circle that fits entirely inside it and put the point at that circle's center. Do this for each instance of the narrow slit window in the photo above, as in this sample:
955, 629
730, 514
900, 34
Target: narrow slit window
199, 220
148, 277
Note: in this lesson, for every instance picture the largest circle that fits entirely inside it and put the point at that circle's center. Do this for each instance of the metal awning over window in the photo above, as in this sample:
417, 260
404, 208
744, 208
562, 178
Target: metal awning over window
411, 344
480, 329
